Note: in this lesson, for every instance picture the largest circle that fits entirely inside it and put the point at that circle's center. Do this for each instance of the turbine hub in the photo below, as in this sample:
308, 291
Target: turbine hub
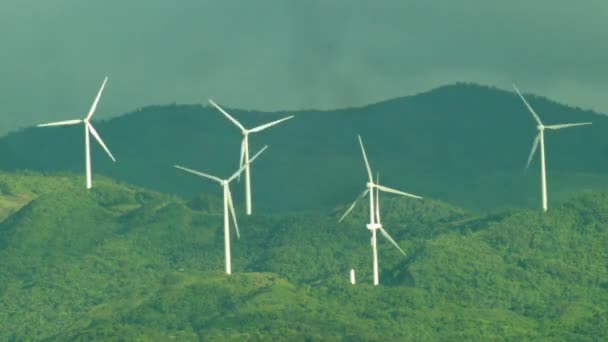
541, 127
370, 185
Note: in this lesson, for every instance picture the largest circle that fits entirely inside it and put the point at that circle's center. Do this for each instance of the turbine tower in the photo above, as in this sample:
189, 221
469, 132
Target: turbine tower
373, 189
88, 128
540, 137
228, 205
244, 159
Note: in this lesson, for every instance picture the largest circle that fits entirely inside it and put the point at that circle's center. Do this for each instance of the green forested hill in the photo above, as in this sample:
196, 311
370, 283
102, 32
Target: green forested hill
124, 262
463, 144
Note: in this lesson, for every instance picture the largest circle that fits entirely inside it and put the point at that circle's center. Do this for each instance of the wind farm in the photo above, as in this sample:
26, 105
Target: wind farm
168, 260
394, 205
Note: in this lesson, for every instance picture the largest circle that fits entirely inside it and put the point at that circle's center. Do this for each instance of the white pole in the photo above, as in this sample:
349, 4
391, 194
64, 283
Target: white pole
371, 204
543, 170
87, 146
352, 276
247, 176
375, 250
227, 231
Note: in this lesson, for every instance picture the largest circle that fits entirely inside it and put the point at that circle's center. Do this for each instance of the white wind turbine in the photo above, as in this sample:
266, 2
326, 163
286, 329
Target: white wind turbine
244, 159
228, 205
540, 137
88, 128
374, 211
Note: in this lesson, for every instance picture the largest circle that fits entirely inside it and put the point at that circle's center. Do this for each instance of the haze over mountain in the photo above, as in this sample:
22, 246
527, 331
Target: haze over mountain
290, 54
464, 144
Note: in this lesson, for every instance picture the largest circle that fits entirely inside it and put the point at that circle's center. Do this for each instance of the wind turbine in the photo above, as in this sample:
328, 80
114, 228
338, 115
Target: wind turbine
88, 128
244, 160
374, 188
540, 137
228, 205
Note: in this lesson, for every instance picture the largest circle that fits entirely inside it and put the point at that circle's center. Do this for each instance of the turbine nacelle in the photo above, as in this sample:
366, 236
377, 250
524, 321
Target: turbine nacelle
374, 226
540, 128
247, 131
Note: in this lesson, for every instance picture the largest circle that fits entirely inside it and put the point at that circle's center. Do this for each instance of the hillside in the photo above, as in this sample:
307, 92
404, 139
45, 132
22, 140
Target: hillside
463, 144
125, 262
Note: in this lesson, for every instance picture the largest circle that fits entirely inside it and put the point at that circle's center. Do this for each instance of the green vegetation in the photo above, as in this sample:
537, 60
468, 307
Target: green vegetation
123, 263
461, 144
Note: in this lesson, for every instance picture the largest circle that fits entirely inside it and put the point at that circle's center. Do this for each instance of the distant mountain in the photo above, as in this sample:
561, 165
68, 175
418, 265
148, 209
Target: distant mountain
122, 262
464, 144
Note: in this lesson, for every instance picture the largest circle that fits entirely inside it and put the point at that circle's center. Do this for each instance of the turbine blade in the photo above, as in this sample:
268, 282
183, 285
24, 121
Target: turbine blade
369, 169
268, 125
198, 173
352, 206
239, 171
257, 154
233, 214
393, 191
536, 117
61, 123
234, 121
98, 138
389, 238
94, 106
534, 147
555, 127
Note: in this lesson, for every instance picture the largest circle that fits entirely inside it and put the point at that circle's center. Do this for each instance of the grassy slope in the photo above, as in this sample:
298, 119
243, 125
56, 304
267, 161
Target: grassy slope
124, 262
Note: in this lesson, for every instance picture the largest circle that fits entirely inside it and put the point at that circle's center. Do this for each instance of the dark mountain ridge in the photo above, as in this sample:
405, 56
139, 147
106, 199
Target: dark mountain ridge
465, 144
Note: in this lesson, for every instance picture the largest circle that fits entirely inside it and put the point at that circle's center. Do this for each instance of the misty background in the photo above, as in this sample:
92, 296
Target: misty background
283, 55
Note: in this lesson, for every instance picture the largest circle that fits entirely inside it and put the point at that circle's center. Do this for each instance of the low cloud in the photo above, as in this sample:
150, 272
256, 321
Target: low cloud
273, 54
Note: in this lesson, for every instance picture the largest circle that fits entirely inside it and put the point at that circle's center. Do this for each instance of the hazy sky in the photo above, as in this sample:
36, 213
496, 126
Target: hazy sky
284, 54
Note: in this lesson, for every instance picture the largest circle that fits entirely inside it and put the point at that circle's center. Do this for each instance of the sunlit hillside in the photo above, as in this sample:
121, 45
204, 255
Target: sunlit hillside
122, 262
